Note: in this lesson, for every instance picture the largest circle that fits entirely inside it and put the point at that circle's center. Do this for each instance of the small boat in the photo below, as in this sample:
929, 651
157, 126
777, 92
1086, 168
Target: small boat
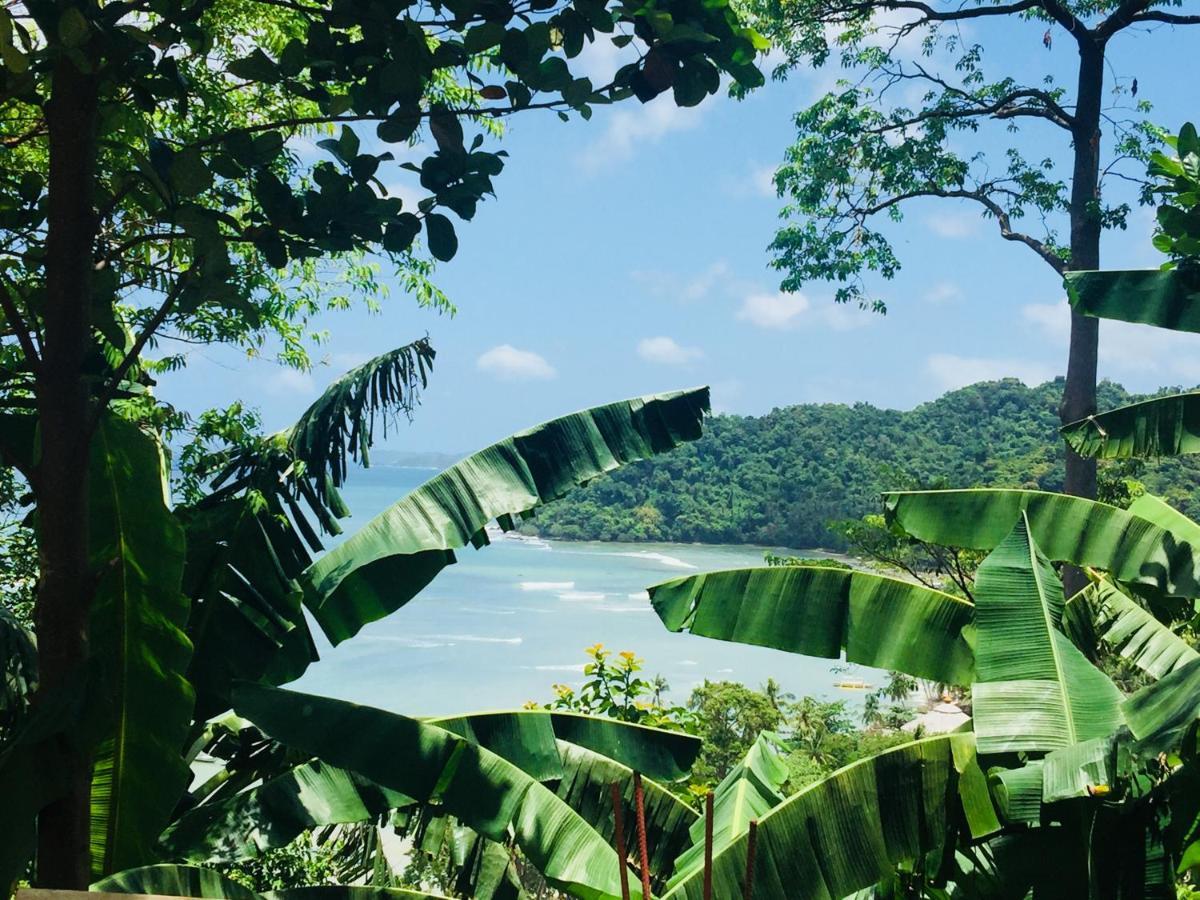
852, 684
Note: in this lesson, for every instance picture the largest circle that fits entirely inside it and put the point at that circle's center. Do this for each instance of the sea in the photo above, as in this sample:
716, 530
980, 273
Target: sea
511, 619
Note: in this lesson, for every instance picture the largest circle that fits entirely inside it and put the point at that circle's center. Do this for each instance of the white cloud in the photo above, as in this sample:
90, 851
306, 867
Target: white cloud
756, 181
667, 351
952, 371
511, 364
1126, 349
290, 381
952, 225
943, 292
678, 287
775, 311
781, 311
631, 126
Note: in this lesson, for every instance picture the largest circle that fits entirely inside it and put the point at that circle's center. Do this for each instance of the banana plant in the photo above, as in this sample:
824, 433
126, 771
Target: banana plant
1056, 760
194, 599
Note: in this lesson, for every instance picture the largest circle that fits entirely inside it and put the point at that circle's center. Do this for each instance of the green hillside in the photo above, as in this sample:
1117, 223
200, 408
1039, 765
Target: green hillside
780, 478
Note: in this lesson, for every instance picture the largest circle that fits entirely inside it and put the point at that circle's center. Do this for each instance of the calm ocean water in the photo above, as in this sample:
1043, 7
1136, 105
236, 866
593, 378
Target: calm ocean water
509, 620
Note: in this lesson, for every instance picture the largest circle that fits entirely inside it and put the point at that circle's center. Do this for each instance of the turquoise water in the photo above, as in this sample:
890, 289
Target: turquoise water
512, 618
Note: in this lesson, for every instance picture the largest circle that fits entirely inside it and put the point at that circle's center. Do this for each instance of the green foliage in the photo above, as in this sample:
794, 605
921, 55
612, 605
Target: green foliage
614, 688
782, 478
1178, 190
920, 113
730, 717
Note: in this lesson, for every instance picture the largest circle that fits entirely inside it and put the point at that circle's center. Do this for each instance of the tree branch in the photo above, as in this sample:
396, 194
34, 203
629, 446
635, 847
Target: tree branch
160, 315
1154, 15
19, 328
980, 197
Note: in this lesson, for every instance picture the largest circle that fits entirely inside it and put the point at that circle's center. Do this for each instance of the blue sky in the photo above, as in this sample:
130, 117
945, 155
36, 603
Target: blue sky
627, 255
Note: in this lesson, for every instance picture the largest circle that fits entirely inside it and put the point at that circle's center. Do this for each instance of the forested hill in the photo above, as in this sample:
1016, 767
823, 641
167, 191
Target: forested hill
778, 479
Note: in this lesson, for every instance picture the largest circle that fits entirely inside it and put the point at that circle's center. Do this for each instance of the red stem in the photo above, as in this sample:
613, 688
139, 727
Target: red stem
643, 853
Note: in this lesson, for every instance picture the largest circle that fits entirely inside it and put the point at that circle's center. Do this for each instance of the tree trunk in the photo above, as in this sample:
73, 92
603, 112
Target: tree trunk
65, 589
1079, 395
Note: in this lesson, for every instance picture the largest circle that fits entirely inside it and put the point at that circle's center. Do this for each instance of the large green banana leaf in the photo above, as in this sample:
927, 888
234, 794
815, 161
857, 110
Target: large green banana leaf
397, 553
275, 813
1101, 611
138, 615
175, 881
749, 791
313, 794
847, 831
1165, 426
1161, 713
1066, 529
190, 881
585, 787
1168, 298
244, 557
486, 792
256, 532
1034, 689
818, 611
18, 671
527, 738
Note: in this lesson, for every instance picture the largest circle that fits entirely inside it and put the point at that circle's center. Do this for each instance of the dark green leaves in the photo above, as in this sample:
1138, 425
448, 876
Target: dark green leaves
443, 243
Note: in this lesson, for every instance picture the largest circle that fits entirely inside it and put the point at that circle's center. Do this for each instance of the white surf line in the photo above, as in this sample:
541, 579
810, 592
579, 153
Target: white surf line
577, 596
671, 561
547, 585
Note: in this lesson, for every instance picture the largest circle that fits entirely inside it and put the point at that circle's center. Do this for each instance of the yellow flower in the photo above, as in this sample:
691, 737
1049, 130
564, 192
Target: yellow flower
627, 655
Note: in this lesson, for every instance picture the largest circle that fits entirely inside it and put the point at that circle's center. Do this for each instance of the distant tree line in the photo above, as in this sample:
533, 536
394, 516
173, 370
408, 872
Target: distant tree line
786, 477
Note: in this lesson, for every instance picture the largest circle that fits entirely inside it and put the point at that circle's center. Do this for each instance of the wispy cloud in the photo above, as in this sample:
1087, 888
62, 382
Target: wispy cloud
951, 371
511, 364
774, 311
290, 381
667, 351
631, 126
685, 287
952, 225
778, 311
943, 292
1125, 348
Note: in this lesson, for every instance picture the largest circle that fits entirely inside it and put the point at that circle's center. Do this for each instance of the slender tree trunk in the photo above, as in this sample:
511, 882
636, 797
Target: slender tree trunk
1079, 394
64, 594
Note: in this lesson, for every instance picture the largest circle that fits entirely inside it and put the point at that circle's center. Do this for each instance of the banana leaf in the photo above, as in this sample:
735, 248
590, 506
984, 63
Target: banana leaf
1167, 298
1164, 426
749, 791
1101, 611
486, 792
847, 831
275, 813
527, 738
314, 794
349, 892
1066, 529
1034, 689
1161, 714
174, 881
251, 538
817, 611
387, 562
585, 787
137, 620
